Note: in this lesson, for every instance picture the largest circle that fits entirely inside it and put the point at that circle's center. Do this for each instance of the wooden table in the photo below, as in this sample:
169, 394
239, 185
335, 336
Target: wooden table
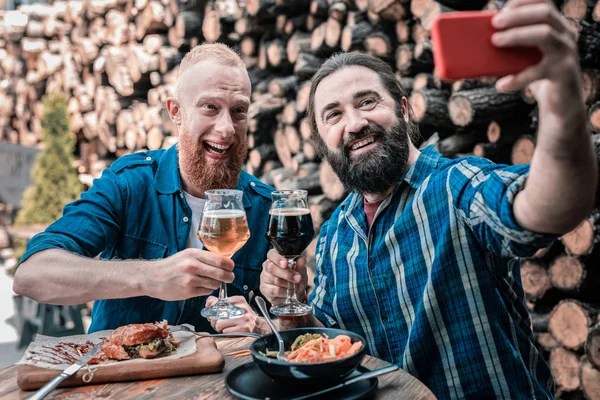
398, 384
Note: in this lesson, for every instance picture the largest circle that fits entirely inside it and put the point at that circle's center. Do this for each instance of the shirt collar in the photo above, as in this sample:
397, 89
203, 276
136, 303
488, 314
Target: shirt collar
244, 185
426, 163
168, 179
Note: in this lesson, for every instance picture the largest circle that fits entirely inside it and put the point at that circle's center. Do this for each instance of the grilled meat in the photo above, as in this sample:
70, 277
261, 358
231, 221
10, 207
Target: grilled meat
139, 341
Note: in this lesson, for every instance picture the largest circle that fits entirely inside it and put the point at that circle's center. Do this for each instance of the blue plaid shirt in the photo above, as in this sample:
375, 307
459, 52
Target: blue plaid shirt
434, 284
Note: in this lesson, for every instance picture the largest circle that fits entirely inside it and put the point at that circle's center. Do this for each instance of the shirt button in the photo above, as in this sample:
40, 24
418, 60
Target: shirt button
148, 158
181, 195
185, 219
371, 265
245, 287
252, 184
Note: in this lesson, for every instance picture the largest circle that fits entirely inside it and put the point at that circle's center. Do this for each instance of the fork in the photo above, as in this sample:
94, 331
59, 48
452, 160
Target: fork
185, 328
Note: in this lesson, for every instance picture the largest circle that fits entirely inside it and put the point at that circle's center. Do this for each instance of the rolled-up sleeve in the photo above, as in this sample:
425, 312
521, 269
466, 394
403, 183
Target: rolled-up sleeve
321, 298
484, 195
88, 225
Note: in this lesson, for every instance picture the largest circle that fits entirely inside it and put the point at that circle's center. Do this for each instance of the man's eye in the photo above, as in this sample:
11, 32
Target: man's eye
367, 102
331, 115
240, 110
210, 106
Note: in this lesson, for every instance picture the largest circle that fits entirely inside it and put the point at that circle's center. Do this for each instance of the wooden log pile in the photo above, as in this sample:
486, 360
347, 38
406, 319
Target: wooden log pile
117, 61
561, 285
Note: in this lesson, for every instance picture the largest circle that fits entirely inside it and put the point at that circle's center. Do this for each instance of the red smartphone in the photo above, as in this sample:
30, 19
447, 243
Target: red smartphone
463, 49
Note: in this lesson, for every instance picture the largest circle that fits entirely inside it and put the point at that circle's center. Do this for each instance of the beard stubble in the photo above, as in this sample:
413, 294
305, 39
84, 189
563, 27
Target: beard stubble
377, 170
204, 174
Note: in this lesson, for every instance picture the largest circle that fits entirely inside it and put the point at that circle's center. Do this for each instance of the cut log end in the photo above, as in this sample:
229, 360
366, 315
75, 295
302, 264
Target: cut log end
569, 324
460, 110
590, 85
275, 53
378, 45
418, 104
546, 341
592, 346
565, 368
535, 279
575, 8
590, 380
522, 150
493, 132
402, 31
580, 241
211, 26
567, 273
331, 184
417, 7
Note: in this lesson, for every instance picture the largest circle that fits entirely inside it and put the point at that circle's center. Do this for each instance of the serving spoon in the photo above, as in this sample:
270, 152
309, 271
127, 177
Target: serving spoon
263, 310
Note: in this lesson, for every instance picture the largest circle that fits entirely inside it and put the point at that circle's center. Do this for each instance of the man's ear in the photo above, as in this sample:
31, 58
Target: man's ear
404, 109
174, 109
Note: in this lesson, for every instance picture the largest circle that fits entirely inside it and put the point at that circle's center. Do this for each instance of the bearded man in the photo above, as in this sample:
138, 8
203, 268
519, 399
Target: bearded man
421, 257
143, 214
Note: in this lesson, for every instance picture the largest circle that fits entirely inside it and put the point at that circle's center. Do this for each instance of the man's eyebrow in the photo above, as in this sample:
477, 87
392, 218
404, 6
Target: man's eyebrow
366, 92
241, 101
328, 107
204, 97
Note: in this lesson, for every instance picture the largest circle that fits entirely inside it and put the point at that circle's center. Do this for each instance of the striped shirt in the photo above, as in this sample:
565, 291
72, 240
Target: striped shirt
434, 285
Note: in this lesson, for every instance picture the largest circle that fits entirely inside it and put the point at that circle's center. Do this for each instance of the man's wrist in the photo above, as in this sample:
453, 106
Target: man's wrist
139, 284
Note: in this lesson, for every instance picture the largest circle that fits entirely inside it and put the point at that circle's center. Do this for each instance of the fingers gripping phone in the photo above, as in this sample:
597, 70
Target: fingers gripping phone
463, 49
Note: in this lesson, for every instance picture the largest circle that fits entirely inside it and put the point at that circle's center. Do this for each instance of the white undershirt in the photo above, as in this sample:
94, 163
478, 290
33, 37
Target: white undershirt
197, 206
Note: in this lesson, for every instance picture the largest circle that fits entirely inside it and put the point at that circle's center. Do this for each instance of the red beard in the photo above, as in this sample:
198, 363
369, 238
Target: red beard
204, 175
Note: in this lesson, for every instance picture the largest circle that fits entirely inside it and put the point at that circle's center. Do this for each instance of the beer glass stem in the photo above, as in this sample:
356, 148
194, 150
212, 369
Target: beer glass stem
223, 300
291, 287
223, 293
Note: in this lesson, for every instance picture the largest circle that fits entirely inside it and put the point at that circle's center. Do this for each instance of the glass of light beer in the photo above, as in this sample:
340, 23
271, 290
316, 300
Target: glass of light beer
223, 230
290, 231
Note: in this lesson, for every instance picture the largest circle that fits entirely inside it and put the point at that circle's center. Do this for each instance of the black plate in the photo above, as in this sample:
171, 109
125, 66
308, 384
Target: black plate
248, 382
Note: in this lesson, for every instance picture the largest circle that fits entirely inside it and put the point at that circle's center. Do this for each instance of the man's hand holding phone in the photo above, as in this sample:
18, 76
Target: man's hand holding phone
525, 42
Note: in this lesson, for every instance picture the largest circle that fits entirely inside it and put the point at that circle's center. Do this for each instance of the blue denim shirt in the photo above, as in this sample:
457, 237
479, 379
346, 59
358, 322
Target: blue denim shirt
137, 209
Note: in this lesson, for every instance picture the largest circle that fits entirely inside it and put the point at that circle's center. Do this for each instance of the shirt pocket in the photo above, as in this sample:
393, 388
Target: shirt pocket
131, 247
247, 277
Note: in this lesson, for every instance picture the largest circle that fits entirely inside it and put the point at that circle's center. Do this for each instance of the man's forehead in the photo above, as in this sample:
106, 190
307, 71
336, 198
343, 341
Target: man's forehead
214, 77
345, 83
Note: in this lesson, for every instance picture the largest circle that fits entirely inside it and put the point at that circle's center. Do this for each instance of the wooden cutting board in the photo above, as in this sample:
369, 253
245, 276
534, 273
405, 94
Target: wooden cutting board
206, 359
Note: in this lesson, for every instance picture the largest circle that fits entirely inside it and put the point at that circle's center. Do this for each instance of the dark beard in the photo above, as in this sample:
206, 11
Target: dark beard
377, 170
203, 175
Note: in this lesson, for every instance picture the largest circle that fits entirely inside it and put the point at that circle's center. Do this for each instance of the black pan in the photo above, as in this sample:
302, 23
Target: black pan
325, 372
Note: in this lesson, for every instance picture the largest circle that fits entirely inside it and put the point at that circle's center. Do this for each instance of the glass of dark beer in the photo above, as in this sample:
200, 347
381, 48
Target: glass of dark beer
290, 231
223, 230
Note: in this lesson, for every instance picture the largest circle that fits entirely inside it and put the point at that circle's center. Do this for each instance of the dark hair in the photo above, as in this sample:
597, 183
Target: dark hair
383, 70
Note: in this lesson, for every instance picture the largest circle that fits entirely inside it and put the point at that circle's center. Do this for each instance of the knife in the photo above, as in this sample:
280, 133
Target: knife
350, 381
70, 370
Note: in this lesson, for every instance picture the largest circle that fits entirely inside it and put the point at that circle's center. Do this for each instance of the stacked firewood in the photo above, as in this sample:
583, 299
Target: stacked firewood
117, 62
561, 284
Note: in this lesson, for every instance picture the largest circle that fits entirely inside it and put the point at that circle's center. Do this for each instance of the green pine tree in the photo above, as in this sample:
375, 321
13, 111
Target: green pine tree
54, 182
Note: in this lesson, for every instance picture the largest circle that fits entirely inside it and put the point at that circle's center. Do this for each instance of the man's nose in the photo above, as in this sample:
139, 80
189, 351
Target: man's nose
224, 125
355, 122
